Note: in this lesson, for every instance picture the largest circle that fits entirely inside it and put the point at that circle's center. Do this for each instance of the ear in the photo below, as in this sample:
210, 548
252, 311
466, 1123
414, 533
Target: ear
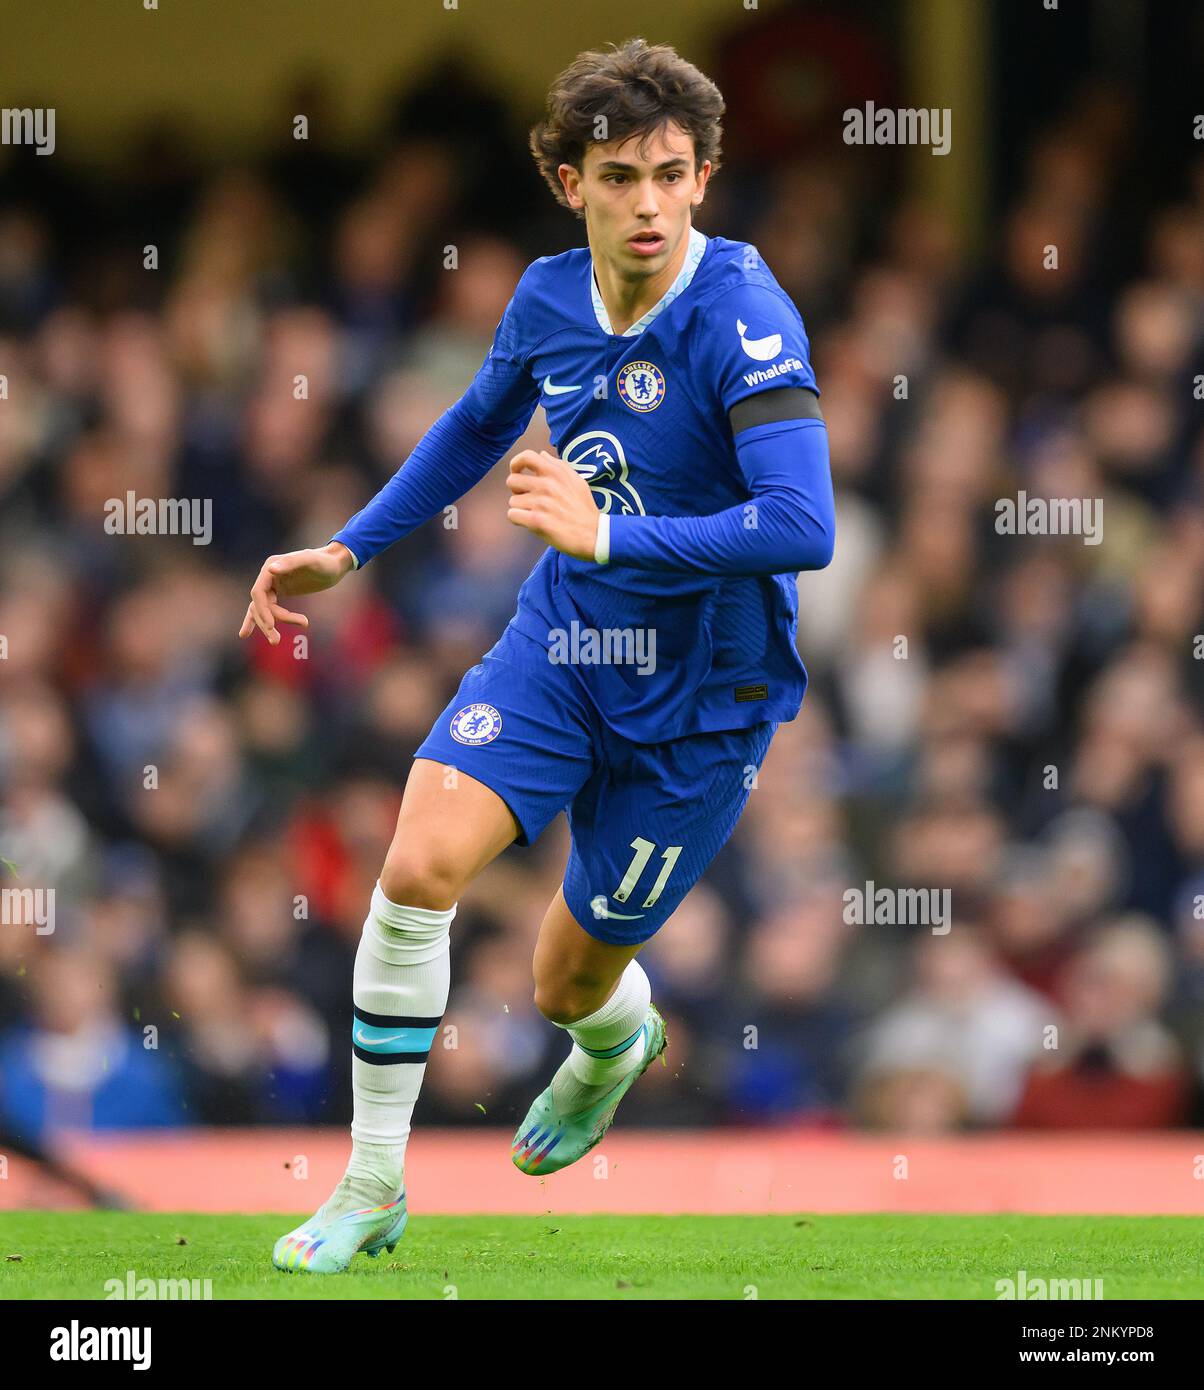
703, 175
570, 181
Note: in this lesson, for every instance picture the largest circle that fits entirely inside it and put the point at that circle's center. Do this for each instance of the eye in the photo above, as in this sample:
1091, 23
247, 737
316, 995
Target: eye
674, 175
619, 177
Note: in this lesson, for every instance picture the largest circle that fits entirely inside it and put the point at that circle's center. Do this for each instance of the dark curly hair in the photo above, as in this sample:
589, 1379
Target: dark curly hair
636, 88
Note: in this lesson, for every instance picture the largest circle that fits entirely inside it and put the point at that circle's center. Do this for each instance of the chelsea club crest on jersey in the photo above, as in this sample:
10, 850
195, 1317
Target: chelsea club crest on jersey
642, 385
476, 724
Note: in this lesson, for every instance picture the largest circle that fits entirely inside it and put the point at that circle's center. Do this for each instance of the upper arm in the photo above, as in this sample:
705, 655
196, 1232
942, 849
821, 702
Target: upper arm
752, 343
774, 406
503, 394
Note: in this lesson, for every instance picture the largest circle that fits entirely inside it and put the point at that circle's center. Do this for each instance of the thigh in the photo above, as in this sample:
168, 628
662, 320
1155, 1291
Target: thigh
447, 828
648, 823
521, 727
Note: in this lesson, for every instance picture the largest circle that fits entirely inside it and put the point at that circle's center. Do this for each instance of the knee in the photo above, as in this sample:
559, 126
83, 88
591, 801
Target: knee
568, 1001
421, 875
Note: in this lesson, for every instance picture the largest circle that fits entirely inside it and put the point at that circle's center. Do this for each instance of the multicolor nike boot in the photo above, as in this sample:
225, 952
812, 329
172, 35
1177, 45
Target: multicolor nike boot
546, 1141
325, 1245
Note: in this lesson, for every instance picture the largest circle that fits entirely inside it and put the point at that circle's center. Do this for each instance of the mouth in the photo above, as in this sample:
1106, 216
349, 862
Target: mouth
646, 243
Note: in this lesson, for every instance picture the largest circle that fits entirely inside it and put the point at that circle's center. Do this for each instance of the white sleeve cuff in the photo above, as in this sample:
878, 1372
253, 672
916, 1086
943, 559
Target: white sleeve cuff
602, 544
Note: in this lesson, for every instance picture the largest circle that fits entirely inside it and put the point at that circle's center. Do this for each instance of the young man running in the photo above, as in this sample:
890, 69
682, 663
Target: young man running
690, 487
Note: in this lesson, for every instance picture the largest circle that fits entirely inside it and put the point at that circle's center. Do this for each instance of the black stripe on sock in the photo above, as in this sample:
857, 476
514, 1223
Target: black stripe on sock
395, 1020
387, 1059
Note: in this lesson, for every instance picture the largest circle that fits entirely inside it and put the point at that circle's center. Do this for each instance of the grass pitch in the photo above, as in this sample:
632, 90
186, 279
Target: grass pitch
51, 1255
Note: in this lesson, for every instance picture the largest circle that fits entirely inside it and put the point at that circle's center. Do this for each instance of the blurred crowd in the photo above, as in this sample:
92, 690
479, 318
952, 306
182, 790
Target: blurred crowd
212, 814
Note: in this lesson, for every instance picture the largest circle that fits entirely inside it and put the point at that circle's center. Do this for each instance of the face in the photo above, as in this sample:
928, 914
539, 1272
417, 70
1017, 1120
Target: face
637, 203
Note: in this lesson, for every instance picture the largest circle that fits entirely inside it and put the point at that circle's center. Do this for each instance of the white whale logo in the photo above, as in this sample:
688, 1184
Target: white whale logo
759, 349
598, 457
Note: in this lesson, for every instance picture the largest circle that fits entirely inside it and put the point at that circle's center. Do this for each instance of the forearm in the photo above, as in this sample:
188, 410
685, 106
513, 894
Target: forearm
453, 456
788, 524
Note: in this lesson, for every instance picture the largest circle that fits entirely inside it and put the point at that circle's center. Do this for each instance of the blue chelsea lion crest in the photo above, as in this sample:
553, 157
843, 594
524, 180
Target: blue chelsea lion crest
476, 724
642, 385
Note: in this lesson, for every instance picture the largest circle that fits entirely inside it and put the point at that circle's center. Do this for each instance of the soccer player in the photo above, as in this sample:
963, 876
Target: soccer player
652, 654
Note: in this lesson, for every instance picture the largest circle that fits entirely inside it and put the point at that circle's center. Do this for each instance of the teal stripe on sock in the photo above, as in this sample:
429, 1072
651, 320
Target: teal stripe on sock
612, 1051
392, 1039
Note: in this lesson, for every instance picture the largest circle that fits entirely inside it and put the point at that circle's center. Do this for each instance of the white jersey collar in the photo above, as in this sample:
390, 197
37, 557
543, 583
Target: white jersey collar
694, 252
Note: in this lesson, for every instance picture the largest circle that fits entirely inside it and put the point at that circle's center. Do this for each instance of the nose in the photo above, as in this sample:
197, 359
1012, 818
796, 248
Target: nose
646, 204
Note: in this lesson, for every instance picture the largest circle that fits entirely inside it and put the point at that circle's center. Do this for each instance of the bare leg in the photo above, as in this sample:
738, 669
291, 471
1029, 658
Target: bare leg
575, 974
449, 828
600, 995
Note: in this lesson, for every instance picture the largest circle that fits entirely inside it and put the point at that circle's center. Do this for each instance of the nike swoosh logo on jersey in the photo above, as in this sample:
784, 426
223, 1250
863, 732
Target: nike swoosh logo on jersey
557, 390
376, 1042
759, 349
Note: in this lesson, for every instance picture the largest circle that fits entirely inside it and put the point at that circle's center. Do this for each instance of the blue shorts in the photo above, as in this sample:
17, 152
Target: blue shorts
646, 819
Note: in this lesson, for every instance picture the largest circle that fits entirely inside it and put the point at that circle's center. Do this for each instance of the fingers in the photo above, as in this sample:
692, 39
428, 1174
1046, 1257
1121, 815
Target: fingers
520, 483
535, 486
261, 616
278, 614
263, 595
540, 464
525, 503
265, 610
253, 622
532, 472
526, 517
283, 615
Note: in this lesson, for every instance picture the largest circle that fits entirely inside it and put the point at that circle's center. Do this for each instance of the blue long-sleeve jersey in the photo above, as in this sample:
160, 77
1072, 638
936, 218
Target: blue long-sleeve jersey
707, 529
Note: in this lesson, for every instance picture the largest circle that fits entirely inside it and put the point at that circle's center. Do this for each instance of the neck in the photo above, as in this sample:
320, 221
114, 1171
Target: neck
628, 298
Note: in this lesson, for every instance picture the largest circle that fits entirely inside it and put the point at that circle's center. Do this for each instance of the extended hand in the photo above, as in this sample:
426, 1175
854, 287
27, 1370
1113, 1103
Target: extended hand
298, 572
552, 500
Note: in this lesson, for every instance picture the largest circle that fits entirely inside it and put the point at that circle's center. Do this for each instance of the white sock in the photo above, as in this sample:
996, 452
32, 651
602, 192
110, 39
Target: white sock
614, 1030
401, 981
